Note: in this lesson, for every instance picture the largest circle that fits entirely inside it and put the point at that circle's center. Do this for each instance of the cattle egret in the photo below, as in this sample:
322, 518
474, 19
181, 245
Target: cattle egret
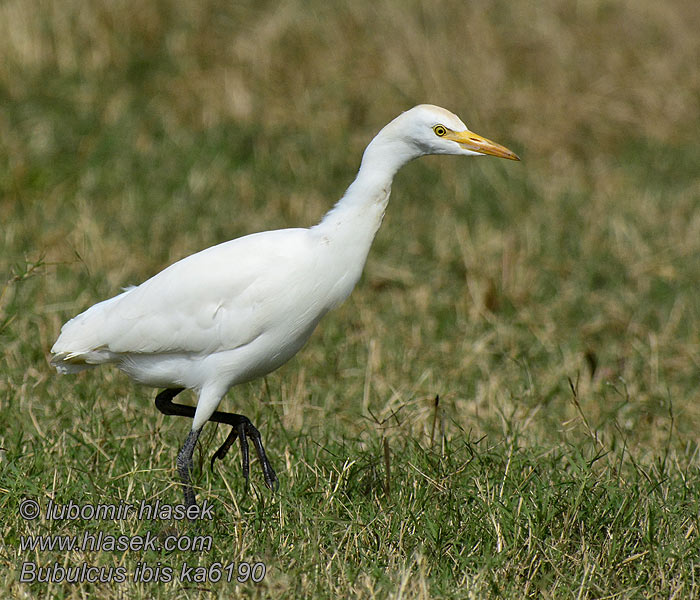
241, 309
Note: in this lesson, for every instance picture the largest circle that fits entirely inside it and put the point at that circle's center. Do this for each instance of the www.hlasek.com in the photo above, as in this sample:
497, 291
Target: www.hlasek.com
99, 541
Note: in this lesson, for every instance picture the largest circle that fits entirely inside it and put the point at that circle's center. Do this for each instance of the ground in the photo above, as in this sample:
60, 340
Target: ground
551, 304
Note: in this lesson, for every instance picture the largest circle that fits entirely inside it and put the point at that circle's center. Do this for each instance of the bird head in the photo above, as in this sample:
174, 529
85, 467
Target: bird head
435, 130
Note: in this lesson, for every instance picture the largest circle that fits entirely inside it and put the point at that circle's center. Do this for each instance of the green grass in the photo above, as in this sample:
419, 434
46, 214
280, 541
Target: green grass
552, 304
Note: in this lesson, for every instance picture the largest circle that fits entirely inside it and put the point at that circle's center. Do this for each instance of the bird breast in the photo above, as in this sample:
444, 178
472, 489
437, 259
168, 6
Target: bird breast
243, 307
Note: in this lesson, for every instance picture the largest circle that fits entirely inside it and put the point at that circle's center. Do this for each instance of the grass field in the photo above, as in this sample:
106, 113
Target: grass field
551, 304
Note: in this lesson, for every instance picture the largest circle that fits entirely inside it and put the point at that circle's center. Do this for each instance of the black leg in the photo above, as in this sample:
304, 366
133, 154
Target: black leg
184, 466
165, 404
241, 426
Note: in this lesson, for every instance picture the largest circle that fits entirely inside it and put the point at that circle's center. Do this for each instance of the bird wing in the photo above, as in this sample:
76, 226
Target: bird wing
217, 299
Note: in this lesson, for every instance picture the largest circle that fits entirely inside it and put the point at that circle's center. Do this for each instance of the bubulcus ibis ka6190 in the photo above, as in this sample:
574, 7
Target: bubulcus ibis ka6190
241, 309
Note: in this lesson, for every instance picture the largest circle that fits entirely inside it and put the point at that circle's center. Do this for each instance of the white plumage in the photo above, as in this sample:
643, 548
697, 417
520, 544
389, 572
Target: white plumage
241, 309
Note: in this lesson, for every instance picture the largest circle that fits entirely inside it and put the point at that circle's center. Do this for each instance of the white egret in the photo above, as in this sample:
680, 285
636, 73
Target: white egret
241, 309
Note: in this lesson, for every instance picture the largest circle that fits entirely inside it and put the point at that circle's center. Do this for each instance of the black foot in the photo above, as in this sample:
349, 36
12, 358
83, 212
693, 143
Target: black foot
242, 429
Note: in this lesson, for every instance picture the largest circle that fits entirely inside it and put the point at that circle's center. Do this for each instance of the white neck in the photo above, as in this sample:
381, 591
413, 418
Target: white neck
357, 216
348, 229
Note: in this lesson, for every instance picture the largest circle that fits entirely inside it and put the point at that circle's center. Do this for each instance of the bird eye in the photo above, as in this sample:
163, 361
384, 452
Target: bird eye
439, 130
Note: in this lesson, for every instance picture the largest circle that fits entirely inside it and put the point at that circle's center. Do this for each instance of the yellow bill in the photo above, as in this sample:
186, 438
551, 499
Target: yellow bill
476, 143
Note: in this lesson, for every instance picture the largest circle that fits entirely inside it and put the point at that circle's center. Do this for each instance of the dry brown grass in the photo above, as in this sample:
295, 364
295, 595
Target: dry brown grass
562, 79
137, 133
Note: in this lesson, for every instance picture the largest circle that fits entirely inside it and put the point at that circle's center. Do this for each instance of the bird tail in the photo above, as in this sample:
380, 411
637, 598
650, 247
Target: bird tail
80, 345
74, 362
